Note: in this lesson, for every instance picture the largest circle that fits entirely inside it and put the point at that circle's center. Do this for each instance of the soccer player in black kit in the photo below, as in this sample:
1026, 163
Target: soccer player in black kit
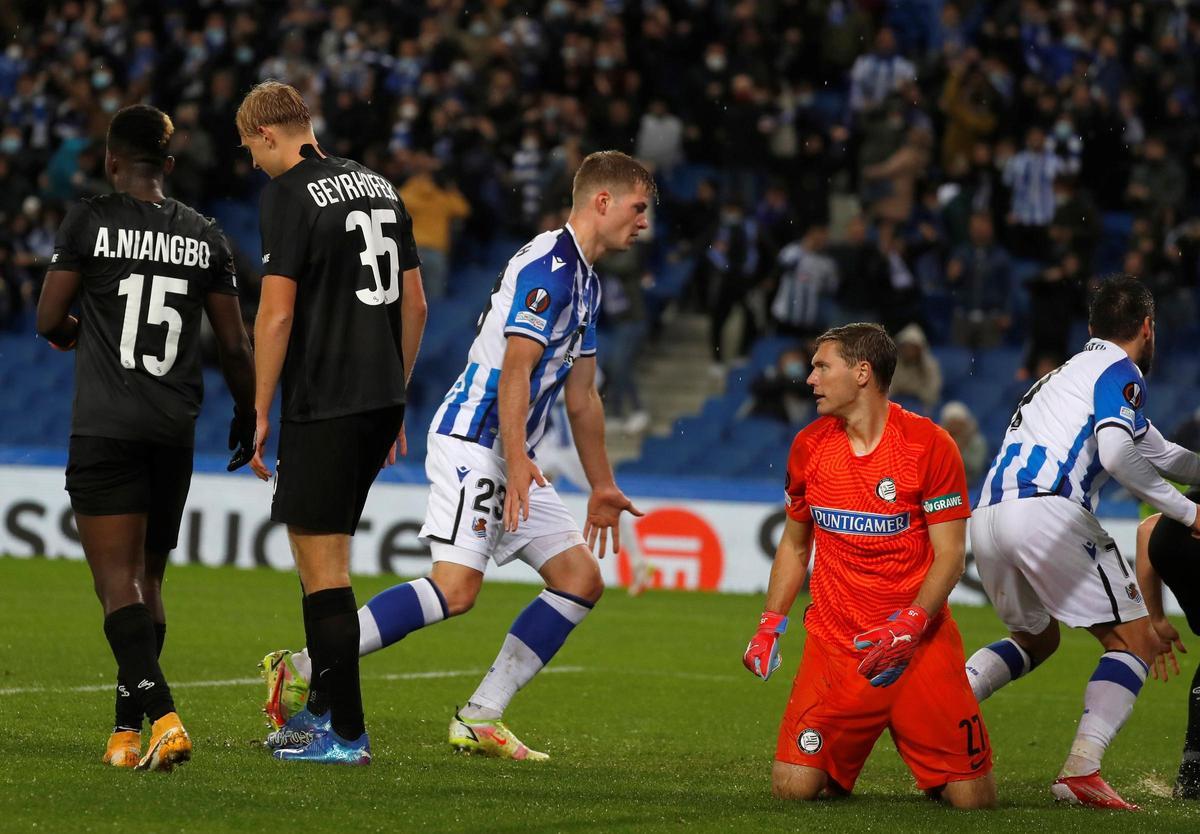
340, 320
1168, 553
143, 267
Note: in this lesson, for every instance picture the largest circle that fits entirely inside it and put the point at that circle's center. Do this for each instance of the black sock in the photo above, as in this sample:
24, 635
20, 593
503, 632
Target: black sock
333, 647
1191, 743
130, 633
129, 711
318, 689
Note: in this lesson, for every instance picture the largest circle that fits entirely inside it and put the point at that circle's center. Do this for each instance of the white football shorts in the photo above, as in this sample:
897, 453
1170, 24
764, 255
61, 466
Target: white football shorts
464, 521
1049, 557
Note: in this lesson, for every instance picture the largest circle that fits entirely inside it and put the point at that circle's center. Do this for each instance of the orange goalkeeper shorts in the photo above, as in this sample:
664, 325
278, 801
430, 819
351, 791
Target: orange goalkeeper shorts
834, 715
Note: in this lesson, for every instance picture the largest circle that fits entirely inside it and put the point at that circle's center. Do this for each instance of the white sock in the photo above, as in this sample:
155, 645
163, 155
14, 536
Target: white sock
1107, 704
995, 665
536, 635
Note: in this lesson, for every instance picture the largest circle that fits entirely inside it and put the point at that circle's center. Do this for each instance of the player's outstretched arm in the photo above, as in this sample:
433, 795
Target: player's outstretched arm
237, 366
521, 355
762, 656
1121, 459
1151, 586
55, 323
1169, 459
585, 411
272, 332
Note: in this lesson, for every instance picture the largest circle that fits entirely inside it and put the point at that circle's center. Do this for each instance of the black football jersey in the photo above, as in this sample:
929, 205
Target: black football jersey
340, 232
146, 269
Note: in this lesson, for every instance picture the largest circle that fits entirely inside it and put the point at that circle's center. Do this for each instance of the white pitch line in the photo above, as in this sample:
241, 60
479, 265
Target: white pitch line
394, 676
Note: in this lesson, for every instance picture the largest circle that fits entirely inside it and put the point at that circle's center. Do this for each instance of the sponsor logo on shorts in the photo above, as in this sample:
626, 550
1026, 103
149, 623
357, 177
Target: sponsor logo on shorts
1090, 547
1127, 413
943, 502
1132, 591
860, 524
886, 489
538, 300
479, 527
536, 322
810, 741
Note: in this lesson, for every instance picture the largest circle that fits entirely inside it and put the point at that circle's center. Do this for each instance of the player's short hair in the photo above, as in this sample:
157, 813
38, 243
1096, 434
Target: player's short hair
1119, 307
865, 342
272, 103
140, 134
611, 170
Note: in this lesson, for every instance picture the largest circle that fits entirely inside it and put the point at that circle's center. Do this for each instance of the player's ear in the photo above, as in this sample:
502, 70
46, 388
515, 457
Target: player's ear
267, 134
603, 200
168, 165
110, 164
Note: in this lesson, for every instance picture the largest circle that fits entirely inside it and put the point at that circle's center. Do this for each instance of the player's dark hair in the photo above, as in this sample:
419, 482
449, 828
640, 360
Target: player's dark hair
140, 134
1119, 307
865, 342
610, 170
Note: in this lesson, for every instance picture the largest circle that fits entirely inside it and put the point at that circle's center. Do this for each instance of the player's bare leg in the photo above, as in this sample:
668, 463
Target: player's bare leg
799, 782
573, 586
999, 664
1129, 649
459, 584
331, 621
114, 548
970, 794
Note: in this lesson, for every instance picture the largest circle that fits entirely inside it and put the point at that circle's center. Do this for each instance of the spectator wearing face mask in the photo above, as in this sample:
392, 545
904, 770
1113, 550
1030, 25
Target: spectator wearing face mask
781, 392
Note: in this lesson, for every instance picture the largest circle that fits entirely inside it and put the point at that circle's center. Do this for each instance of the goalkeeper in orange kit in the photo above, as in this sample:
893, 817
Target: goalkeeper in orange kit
883, 494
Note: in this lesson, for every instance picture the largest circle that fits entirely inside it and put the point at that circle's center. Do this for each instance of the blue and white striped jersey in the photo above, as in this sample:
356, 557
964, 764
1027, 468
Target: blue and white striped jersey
1050, 447
548, 293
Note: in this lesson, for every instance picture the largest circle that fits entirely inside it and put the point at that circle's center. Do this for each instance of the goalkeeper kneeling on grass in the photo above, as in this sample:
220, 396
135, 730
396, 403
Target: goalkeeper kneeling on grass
883, 494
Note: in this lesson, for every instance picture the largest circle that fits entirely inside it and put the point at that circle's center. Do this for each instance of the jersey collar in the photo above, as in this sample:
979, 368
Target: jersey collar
578, 249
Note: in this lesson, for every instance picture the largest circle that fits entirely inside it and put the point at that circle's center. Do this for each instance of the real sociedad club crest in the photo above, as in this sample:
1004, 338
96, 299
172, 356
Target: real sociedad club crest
538, 300
886, 489
1133, 394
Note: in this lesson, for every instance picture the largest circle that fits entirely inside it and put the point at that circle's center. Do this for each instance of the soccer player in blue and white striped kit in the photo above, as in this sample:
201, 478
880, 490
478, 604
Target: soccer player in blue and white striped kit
488, 499
1042, 555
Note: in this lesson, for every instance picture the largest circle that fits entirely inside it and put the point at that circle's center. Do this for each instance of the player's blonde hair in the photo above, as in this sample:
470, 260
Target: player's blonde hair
272, 103
612, 171
865, 342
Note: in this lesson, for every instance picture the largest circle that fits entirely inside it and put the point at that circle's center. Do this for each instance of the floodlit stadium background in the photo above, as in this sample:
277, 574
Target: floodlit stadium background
819, 162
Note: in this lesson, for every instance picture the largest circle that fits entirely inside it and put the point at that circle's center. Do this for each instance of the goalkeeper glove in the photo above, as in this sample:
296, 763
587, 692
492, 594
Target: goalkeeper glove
762, 655
241, 438
891, 645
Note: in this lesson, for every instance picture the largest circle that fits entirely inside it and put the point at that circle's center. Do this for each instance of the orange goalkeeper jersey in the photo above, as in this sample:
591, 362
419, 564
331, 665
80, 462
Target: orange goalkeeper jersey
870, 516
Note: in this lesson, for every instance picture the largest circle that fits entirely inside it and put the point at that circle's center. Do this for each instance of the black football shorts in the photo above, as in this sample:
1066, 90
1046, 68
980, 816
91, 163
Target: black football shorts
326, 468
107, 476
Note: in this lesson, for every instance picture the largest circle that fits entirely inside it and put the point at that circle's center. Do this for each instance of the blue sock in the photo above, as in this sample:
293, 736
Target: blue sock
536, 636
995, 665
392, 615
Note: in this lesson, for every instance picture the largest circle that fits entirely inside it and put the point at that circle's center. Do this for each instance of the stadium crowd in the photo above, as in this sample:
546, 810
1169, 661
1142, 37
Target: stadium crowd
965, 166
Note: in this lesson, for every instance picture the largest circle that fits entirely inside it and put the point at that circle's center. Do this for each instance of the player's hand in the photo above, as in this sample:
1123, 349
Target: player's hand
262, 429
762, 655
522, 472
73, 325
241, 438
1170, 640
892, 645
399, 447
603, 514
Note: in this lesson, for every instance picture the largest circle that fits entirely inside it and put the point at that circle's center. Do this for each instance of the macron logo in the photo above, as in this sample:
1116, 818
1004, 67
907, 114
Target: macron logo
557, 263
462, 472
267, 258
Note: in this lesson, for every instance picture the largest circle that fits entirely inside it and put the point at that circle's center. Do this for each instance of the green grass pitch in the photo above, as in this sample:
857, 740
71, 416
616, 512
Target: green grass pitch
651, 721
